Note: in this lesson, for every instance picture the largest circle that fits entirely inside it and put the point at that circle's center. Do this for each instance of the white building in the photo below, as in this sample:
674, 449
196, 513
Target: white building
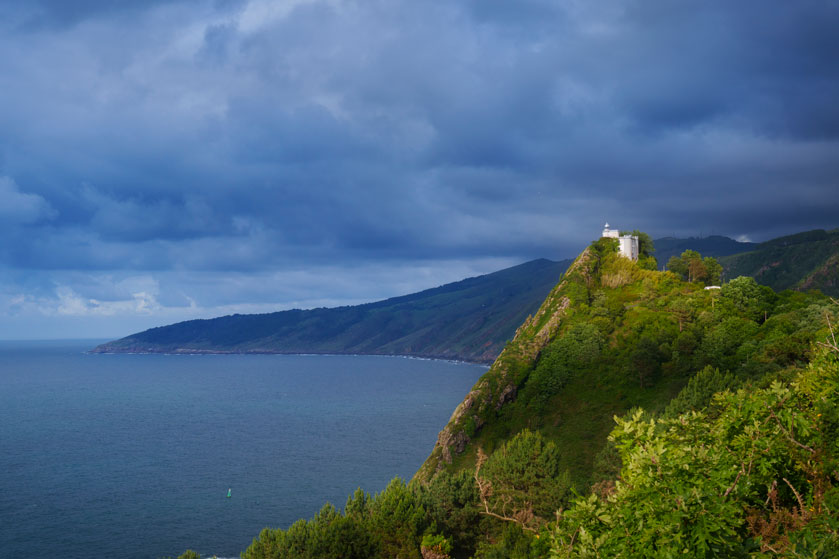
627, 244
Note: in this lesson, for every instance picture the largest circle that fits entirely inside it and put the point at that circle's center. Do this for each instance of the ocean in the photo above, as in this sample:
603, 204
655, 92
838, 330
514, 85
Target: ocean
132, 456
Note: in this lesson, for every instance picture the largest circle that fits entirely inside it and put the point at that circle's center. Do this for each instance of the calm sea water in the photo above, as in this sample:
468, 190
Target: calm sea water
131, 456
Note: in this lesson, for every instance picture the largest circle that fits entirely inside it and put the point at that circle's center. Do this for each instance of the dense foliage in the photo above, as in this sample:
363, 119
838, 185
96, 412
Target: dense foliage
755, 475
692, 267
628, 338
398, 522
522, 481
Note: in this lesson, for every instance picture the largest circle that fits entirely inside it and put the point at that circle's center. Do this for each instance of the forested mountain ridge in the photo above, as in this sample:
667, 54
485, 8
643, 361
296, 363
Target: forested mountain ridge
808, 260
690, 422
468, 320
715, 245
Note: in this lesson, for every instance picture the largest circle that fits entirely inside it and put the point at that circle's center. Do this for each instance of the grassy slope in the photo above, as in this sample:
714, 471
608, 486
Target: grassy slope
469, 320
625, 305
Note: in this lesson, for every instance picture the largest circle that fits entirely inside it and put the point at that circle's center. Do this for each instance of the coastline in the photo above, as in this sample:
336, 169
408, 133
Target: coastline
194, 351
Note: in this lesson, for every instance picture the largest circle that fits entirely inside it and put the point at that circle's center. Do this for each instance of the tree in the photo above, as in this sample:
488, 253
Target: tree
744, 295
399, 519
699, 391
713, 270
683, 309
693, 268
453, 505
679, 264
522, 481
728, 344
435, 546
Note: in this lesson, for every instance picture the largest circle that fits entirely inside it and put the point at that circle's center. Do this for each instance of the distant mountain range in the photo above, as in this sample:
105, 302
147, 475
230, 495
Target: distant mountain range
715, 246
802, 261
468, 320
472, 319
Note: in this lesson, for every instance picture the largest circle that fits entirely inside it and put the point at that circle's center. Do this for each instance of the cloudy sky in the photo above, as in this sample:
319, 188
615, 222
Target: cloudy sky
163, 160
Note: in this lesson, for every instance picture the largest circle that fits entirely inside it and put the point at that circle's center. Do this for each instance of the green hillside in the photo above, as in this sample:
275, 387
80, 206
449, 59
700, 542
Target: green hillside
468, 320
608, 390
803, 261
612, 336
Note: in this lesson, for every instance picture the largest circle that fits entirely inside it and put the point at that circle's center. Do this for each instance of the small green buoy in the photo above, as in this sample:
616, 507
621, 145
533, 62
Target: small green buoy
228, 493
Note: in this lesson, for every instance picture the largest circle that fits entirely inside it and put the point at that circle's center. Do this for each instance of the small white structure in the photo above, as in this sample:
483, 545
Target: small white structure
627, 244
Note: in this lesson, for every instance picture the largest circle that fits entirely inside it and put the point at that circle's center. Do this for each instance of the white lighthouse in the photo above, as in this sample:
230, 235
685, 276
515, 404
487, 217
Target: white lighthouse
627, 244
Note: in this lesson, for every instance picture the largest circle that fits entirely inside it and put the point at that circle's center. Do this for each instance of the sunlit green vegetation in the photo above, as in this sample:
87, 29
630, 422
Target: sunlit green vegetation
753, 475
635, 338
692, 267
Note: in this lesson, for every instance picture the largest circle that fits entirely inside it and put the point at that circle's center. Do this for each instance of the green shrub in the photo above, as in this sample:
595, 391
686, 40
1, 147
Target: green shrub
437, 542
522, 481
699, 391
756, 477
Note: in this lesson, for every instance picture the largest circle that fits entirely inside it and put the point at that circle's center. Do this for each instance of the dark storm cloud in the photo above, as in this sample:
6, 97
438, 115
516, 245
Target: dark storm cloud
260, 137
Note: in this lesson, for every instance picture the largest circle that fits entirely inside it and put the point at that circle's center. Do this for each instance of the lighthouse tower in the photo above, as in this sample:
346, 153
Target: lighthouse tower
627, 244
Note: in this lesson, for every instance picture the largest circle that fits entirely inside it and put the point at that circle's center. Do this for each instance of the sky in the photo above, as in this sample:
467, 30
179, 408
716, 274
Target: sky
163, 160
